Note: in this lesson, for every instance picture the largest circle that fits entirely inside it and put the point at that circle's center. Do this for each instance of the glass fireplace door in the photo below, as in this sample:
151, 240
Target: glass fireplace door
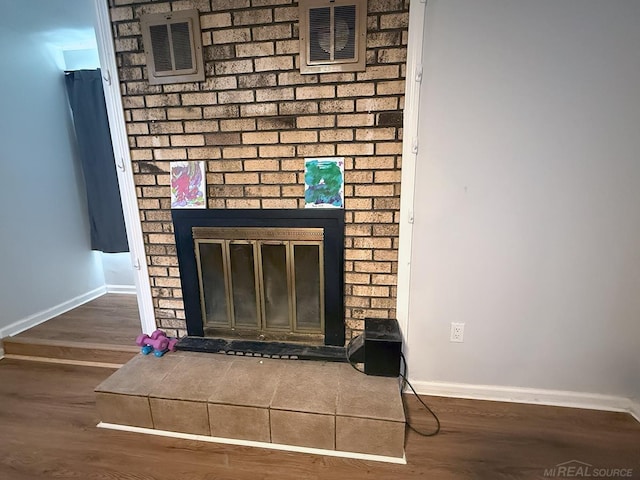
267, 288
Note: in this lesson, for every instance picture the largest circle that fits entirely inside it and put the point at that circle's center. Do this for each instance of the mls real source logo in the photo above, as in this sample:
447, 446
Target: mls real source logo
577, 469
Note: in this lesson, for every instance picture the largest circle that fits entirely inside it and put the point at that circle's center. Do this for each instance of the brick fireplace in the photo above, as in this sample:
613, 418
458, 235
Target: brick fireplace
254, 120
250, 292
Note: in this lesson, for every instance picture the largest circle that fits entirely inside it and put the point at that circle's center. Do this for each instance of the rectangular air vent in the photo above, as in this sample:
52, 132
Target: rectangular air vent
173, 47
333, 35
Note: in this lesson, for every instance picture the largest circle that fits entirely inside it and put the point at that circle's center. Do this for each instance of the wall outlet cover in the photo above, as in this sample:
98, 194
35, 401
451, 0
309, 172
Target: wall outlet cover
457, 332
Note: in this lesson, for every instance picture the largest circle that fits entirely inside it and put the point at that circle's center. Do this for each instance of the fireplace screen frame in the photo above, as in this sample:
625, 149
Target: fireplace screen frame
331, 221
225, 321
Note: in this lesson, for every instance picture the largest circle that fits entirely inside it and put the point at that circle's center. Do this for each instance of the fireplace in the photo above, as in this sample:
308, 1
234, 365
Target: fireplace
263, 275
264, 283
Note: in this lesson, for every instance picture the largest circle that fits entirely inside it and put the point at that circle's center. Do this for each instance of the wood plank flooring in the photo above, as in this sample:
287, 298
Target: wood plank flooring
111, 318
102, 331
48, 418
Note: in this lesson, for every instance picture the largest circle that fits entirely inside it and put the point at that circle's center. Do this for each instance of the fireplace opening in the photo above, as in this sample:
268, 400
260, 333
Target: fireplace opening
264, 283
262, 275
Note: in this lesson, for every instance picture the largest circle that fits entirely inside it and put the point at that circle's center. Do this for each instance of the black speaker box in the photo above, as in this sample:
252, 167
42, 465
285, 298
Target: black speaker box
382, 347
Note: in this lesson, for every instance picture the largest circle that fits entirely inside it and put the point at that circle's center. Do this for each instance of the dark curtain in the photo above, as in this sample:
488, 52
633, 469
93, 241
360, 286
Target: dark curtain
84, 88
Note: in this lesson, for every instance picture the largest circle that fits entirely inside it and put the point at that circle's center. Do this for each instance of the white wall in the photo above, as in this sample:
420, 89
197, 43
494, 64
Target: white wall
81, 59
45, 256
118, 270
527, 204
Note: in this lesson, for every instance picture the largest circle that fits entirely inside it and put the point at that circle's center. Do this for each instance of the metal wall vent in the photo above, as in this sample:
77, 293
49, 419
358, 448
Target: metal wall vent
333, 35
173, 47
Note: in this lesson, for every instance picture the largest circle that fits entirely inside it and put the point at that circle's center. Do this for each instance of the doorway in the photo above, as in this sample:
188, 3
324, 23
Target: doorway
48, 265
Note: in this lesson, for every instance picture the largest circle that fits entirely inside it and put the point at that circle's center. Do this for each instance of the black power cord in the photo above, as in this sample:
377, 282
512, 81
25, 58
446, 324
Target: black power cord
405, 381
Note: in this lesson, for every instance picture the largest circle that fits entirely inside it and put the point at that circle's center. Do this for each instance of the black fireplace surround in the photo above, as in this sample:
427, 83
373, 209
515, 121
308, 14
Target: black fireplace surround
331, 220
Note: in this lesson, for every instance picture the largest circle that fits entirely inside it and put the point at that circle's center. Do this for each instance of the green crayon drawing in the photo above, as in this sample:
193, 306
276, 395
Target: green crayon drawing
324, 182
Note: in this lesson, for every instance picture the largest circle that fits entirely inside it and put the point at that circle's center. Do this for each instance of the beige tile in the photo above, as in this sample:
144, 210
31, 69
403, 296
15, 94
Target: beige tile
124, 409
180, 416
197, 377
303, 429
376, 437
308, 386
244, 423
367, 396
140, 375
249, 382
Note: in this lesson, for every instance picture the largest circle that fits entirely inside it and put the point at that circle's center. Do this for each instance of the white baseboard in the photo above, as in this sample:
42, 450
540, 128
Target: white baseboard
128, 289
557, 398
49, 313
635, 410
250, 443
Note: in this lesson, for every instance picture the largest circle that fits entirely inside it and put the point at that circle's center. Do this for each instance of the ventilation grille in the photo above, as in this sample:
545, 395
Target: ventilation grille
173, 47
332, 35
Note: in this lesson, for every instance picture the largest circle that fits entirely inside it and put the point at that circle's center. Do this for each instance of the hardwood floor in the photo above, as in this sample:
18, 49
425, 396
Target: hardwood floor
48, 418
111, 318
102, 331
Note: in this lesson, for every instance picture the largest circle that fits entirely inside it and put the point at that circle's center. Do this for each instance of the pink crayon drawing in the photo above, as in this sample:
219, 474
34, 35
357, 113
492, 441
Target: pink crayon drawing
187, 185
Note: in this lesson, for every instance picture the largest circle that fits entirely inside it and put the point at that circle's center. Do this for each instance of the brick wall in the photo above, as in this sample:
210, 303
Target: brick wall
254, 119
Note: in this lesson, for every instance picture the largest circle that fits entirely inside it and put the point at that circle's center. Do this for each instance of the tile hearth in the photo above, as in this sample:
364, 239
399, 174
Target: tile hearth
322, 405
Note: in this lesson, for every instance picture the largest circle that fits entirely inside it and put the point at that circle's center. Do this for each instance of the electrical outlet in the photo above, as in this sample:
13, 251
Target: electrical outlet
457, 332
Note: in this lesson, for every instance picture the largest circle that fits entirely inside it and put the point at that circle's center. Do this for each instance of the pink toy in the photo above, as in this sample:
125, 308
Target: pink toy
142, 339
158, 342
